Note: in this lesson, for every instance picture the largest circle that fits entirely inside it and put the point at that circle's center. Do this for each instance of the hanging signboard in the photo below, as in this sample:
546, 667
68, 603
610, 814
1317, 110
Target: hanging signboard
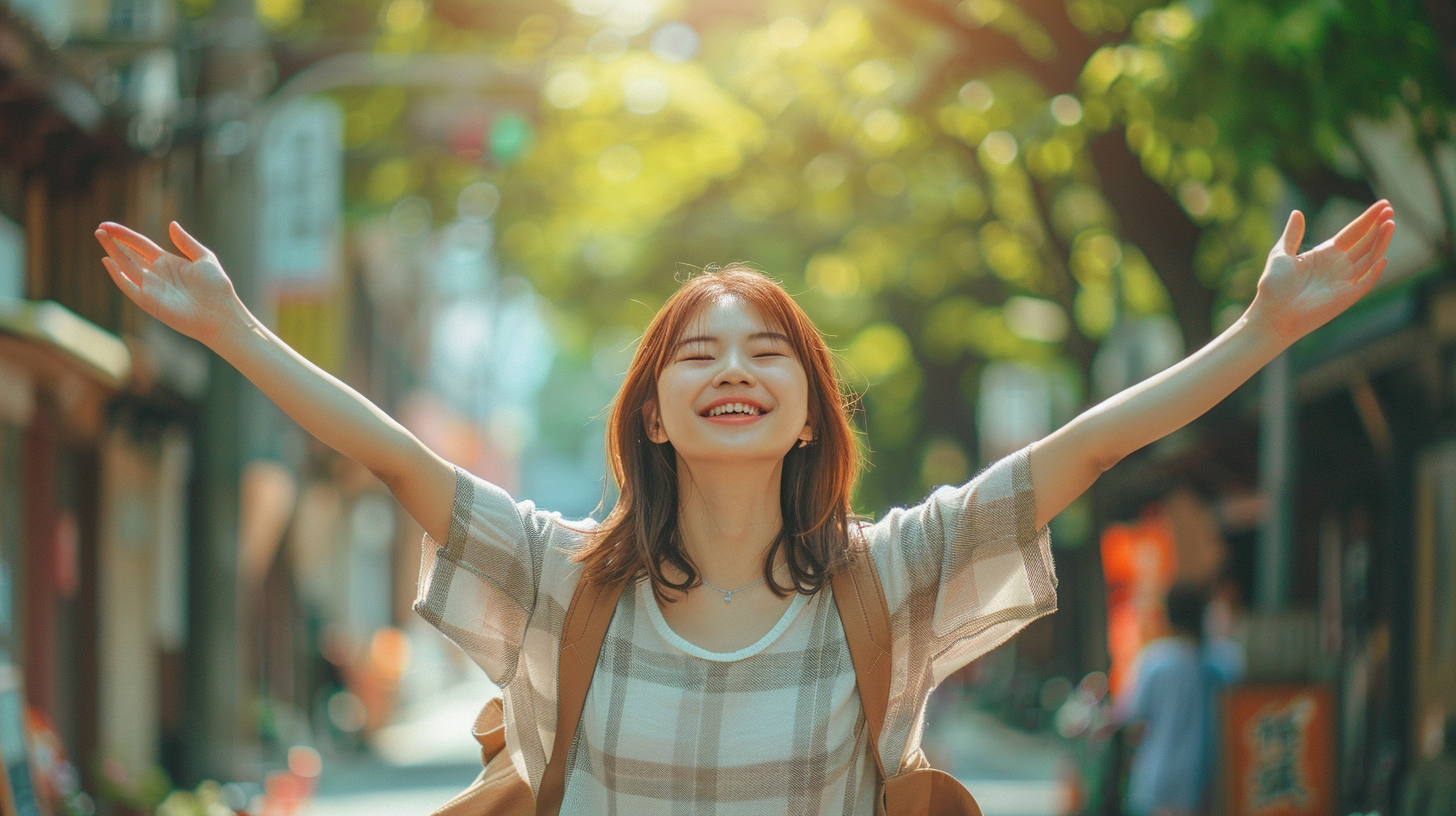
1278, 746
300, 181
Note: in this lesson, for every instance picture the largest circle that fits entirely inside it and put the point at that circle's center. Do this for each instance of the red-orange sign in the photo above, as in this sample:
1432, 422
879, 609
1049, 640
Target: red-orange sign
1138, 565
1278, 751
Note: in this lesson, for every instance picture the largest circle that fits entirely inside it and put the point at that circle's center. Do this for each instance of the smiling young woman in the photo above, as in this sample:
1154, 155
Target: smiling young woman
726, 337
725, 683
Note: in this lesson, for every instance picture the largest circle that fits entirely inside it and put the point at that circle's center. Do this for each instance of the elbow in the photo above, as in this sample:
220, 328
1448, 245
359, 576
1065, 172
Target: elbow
1103, 461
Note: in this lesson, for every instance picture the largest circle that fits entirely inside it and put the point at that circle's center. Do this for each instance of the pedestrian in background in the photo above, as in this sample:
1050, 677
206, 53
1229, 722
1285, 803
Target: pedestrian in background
1173, 717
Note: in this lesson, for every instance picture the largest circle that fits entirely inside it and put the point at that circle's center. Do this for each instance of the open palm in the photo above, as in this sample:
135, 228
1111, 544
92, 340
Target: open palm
1299, 292
190, 294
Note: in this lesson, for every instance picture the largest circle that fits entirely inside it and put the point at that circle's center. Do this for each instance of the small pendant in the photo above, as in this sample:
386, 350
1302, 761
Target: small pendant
727, 597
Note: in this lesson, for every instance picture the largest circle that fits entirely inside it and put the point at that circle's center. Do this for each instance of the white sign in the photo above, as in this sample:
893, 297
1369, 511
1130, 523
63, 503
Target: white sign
300, 178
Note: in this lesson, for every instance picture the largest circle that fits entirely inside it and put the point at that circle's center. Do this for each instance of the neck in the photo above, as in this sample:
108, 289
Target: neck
728, 516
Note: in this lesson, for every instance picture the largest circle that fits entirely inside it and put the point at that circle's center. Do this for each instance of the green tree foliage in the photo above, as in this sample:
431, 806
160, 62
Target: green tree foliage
940, 184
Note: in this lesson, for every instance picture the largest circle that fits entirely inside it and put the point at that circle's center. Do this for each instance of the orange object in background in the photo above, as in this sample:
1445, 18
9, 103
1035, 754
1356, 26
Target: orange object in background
1278, 751
1138, 564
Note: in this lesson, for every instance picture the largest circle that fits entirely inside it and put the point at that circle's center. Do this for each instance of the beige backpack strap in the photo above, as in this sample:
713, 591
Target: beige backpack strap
866, 621
587, 619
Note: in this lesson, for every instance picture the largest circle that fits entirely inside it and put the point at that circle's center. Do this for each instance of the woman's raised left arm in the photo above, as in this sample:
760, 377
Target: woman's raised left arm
1297, 293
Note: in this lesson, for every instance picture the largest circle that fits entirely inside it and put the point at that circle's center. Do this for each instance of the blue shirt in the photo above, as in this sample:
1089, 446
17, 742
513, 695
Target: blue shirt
1174, 689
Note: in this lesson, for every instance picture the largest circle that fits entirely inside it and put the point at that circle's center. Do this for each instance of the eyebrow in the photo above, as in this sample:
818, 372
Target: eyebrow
703, 338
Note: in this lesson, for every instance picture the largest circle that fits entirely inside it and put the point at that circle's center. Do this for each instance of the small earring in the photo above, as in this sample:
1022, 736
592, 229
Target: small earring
804, 443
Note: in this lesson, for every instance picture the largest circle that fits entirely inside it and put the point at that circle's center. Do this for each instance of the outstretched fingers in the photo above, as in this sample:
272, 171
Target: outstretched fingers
1372, 277
133, 240
1357, 229
191, 247
1293, 233
128, 262
129, 287
1370, 248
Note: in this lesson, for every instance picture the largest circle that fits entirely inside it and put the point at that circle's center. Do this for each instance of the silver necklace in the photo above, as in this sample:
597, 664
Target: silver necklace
728, 593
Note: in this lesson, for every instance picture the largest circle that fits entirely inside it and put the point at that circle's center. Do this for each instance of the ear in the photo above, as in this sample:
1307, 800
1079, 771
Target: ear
806, 436
652, 419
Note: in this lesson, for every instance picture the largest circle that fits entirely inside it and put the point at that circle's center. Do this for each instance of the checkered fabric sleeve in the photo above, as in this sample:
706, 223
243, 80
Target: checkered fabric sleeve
481, 588
964, 570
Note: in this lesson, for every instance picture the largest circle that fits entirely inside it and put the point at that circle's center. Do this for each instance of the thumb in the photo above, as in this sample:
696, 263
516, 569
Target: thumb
1293, 233
190, 246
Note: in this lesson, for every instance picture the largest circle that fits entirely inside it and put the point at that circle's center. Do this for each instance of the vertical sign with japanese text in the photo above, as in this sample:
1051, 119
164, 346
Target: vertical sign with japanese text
1278, 751
300, 176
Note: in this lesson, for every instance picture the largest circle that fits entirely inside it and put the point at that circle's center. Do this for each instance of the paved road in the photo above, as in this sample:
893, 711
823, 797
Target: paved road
368, 787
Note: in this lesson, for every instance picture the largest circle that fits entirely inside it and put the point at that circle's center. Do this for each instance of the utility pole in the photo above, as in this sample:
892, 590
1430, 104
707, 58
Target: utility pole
236, 72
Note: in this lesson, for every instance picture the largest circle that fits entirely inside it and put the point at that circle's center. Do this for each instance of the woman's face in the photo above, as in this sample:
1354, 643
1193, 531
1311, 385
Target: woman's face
733, 389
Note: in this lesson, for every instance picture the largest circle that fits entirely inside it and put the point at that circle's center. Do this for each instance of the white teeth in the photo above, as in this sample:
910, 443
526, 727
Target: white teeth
734, 408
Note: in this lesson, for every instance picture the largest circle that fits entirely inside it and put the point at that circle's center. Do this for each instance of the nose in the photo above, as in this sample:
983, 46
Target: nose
734, 370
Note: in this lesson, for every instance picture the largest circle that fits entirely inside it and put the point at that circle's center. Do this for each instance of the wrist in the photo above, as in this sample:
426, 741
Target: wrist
1263, 331
237, 328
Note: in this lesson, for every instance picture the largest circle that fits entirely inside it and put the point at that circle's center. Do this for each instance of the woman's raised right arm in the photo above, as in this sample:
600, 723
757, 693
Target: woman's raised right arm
194, 296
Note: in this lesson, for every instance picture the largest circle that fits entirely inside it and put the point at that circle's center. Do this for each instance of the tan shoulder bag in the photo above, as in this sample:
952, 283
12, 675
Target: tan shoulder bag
500, 790
866, 619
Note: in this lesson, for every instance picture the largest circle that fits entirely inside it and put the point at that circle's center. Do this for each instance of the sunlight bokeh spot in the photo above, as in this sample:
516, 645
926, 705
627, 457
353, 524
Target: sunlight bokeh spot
878, 351
1142, 290
390, 180
977, 96
1079, 207
832, 273
607, 45
1066, 109
1007, 254
1095, 309
675, 42
883, 125
871, 77
1094, 255
568, 89
1195, 198
1036, 319
478, 201
278, 13
401, 16
788, 32
536, 32
980, 12
826, 171
645, 95
1000, 147
620, 162
1050, 159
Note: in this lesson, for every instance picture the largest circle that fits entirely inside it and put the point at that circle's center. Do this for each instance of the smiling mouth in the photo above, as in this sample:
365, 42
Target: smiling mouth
734, 409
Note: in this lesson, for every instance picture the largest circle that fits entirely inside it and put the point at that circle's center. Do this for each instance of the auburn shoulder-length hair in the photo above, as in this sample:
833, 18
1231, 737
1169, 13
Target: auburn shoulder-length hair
640, 535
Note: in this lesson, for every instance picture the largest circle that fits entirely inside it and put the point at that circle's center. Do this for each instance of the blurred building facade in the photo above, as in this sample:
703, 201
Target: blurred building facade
189, 585
1327, 493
